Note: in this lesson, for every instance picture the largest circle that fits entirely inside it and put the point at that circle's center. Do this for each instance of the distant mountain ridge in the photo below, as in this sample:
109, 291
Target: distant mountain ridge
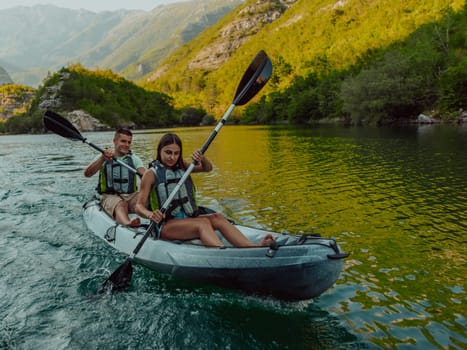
129, 42
4, 77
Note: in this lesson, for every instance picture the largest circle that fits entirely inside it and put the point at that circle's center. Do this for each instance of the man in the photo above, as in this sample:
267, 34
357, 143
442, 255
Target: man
117, 183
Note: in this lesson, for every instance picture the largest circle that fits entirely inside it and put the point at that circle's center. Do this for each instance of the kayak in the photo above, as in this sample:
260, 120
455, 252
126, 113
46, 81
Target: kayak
295, 268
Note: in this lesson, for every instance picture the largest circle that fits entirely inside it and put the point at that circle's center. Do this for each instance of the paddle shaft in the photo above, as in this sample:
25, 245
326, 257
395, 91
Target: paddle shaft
183, 179
211, 137
255, 77
253, 80
61, 126
114, 158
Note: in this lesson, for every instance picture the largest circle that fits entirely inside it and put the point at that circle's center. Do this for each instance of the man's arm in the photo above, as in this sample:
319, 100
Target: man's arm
96, 164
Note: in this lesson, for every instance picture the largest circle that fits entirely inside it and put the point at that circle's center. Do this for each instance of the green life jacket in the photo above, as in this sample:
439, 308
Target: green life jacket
166, 180
115, 178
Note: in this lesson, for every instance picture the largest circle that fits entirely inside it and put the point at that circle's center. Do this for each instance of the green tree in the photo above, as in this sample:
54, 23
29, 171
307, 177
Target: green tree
192, 116
385, 92
453, 87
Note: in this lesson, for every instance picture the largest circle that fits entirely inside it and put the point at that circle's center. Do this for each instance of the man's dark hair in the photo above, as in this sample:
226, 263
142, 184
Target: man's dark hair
124, 131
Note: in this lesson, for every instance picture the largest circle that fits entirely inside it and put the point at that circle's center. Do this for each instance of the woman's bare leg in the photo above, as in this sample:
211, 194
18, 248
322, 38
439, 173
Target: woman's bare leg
191, 228
233, 234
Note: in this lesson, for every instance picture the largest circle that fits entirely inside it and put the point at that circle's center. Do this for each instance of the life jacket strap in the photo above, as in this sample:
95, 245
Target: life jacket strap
171, 181
175, 203
121, 181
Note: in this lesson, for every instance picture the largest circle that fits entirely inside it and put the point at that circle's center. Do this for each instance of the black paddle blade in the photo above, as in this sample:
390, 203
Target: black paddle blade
255, 77
120, 279
61, 126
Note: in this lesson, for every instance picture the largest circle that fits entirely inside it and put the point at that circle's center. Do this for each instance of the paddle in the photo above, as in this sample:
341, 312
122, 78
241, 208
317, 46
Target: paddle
61, 126
255, 77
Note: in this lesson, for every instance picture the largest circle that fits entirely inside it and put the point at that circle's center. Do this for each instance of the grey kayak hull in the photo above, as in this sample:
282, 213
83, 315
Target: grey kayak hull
297, 269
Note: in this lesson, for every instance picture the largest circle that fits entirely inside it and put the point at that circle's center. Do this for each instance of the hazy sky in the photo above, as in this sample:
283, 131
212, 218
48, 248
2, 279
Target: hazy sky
92, 5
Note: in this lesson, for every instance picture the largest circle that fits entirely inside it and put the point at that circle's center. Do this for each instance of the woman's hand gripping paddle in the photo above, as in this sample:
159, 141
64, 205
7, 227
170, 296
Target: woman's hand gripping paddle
61, 126
255, 77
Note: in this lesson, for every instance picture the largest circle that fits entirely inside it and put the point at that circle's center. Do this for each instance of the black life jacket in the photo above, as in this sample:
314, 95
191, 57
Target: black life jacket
115, 178
166, 180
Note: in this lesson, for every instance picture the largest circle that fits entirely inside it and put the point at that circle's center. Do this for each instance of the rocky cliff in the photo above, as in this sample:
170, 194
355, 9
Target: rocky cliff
14, 99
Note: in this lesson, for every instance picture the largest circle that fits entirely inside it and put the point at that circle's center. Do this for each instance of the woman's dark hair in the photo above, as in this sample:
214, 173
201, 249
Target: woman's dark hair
170, 139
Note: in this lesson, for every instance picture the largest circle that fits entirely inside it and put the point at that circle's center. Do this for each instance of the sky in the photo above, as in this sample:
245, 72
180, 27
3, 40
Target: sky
91, 5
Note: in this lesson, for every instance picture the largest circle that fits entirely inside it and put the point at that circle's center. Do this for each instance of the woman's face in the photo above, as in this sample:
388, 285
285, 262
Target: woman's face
170, 155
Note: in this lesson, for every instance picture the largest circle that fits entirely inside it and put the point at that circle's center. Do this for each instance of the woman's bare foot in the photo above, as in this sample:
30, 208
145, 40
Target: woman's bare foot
267, 240
135, 222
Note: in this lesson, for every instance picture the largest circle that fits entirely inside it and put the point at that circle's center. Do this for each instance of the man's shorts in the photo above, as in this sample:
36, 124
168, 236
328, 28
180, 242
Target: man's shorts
110, 201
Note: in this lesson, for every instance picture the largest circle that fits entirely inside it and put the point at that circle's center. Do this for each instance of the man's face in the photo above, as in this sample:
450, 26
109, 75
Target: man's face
122, 144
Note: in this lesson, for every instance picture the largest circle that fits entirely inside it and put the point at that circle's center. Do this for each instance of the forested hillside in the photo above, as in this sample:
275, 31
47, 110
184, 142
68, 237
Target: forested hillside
106, 96
131, 43
321, 51
351, 61
14, 100
97, 94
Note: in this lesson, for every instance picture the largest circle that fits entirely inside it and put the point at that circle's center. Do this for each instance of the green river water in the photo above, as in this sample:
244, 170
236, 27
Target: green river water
396, 199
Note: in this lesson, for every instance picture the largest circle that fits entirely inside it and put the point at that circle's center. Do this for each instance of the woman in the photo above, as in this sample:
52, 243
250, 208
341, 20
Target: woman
181, 220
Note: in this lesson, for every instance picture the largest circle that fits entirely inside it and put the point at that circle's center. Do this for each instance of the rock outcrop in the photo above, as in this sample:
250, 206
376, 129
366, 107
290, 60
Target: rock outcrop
249, 21
12, 103
83, 121
425, 119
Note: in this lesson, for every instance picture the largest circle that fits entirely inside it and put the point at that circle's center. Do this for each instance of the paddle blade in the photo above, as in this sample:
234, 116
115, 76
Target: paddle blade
255, 77
61, 126
120, 279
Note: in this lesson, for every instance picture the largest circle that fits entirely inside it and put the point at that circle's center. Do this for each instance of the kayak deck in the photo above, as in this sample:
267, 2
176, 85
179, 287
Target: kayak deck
296, 268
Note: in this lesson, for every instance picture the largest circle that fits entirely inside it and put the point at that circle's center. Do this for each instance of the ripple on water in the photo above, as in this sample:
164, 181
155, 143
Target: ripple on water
394, 200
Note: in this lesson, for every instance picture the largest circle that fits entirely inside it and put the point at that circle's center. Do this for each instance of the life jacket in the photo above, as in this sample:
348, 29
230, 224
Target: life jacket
115, 178
166, 180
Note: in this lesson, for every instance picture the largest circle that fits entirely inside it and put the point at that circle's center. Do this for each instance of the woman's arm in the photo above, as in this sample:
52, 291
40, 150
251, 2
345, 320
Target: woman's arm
148, 180
202, 163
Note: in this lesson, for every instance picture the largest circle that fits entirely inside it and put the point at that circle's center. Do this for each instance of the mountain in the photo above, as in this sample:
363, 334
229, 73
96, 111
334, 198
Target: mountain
341, 61
301, 37
154, 35
4, 77
129, 42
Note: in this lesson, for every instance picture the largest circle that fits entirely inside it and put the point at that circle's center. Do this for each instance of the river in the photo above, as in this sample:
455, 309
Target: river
395, 199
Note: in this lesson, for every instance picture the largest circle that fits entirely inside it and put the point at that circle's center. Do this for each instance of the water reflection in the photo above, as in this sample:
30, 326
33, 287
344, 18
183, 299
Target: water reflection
394, 198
